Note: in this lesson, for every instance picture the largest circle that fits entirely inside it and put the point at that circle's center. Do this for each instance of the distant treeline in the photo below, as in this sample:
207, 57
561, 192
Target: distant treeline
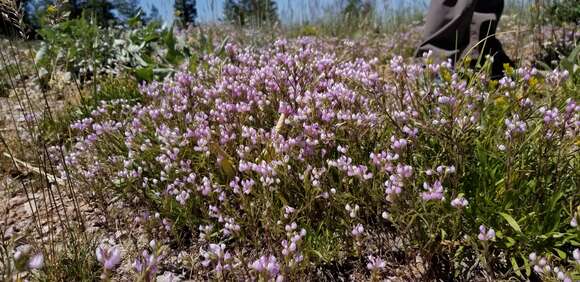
19, 17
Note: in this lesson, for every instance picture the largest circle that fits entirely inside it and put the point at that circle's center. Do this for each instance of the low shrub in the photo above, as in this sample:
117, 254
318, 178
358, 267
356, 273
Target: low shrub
55, 129
85, 50
559, 37
286, 158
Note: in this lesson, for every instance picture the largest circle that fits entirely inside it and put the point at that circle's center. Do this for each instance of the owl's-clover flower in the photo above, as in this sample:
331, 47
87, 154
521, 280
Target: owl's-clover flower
393, 186
442, 169
36, 261
268, 267
25, 259
398, 144
397, 64
352, 210
108, 256
526, 103
182, 197
344, 164
542, 267
230, 227
205, 232
514, 126
557, 76
291, 246
218, 257
507, 82
404, 171
485, 234
147, 264
384, 160
288, 211
459, 202
376, 264
434, 192
526, 73
358, 230
551, 116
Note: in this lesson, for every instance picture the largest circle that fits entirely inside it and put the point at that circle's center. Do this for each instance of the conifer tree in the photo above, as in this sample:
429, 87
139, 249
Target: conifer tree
245, 12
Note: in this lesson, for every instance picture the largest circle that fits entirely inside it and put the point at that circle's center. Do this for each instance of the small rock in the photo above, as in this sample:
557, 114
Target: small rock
168, 276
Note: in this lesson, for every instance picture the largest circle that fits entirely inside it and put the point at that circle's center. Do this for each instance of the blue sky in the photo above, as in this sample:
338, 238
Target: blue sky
290, 11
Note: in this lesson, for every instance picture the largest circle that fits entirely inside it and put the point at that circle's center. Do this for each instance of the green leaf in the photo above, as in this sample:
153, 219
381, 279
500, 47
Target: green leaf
40, 54
160, 73
220, 50
169, 39
555, 198
117, 183
561, 253
573, 57
558, 235
140, 60
174, 57
510, 242
526, 265
134, 21
318, 254
515, 267
144, 74
543, 66
511, 221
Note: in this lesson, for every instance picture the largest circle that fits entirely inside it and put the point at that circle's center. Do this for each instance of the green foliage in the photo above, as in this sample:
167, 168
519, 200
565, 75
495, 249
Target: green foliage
86, 50
527, 191
57, 129
251, 12
559, 46
512, 190
76, 262
564, 11
358, 14
185, 12
78, 46
98, 11
127, 8
357, 9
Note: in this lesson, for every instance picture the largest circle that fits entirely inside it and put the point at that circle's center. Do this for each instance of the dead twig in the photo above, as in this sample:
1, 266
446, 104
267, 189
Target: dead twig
51, 178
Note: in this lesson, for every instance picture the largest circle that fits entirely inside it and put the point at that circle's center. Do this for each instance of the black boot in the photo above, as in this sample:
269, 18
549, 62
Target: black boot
500, 60
493, 48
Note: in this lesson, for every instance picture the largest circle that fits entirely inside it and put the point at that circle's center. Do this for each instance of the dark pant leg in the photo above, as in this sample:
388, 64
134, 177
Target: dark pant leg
487, 29
447, 27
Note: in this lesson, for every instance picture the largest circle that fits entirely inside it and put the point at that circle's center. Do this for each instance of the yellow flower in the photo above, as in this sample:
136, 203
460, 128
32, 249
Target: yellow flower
533, 82
509, 71
51, 9
501, 100
446, 75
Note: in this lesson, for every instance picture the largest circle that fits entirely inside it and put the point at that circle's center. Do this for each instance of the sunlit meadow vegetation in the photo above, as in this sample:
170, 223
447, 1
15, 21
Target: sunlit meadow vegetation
230, 152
